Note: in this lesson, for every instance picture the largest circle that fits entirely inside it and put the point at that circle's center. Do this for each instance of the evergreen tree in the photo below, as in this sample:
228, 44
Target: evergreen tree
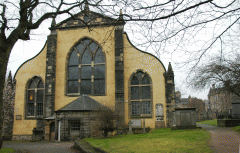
8, 106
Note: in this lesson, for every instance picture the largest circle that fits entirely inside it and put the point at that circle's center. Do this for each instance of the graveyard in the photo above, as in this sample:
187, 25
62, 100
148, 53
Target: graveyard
234, 120
159, 140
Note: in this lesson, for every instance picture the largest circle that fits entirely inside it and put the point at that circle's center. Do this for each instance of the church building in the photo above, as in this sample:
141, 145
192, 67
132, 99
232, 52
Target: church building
88, 61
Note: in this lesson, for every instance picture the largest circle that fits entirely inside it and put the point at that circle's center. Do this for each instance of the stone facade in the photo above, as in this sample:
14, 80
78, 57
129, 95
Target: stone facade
22, 137
119, 72
220, 101
50, 76
63, 120
170, 94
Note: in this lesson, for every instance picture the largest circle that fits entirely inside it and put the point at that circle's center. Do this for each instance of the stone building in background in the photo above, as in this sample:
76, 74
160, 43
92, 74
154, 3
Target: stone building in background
83, 66
220, 101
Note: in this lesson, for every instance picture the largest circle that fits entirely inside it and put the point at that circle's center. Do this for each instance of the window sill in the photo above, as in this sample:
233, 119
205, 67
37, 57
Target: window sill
142, 116
77, 95
33, 117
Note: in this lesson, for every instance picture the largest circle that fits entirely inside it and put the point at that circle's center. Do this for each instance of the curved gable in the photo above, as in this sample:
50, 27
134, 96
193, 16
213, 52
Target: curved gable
24, 63
29, 60
144, 51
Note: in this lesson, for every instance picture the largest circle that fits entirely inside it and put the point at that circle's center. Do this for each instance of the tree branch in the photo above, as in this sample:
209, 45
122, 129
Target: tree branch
51, 15
4, 23
170, 15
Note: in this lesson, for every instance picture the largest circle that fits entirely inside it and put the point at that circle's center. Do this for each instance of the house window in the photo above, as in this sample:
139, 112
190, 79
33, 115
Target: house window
74, 128
86, 69
140, 93
35, 93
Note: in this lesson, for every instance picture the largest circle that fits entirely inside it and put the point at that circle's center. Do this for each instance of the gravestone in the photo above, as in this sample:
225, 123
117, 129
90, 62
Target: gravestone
159, 112
236, 110
130, 127
144, 130
136, 123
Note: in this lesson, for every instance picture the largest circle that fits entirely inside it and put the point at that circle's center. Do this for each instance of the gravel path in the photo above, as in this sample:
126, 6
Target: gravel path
223, 139
41, 147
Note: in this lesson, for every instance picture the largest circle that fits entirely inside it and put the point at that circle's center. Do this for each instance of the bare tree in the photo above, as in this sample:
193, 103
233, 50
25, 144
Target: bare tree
168, 22
224, 73
105, 120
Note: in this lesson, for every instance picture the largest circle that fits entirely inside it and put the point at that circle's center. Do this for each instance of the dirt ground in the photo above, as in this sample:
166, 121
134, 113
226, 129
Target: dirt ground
223, 139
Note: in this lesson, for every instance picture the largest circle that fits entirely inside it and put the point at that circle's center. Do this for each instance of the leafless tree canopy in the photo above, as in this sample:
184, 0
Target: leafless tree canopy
222, 72
106, 119
172, 25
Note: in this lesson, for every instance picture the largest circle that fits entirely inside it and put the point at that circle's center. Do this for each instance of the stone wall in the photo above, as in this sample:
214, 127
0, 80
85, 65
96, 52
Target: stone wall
65, 117
22, 137
160, 124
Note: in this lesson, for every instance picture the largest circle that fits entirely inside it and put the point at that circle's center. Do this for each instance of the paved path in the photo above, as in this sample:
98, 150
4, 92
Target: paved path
223, 139
41, 147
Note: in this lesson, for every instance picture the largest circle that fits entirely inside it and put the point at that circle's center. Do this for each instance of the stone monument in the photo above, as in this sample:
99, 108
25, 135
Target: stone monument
185, 118
236, 110
160, 123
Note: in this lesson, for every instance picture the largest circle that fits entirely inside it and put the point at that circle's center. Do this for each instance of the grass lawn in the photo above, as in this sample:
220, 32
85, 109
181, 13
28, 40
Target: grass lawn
160, 140
7, 150
236, 128
209, 122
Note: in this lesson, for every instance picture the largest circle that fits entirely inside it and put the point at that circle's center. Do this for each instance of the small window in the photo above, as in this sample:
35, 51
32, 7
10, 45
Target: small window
35, 94
74, 127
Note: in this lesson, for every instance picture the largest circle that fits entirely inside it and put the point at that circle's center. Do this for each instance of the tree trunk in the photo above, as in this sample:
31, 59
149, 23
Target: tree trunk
4, 55
105, 133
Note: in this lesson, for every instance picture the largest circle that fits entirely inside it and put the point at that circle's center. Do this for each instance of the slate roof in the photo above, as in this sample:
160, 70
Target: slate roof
83, 103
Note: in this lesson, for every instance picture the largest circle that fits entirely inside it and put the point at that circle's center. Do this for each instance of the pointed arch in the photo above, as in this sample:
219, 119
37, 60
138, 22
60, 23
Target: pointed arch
140, 94
88, 77
34, 98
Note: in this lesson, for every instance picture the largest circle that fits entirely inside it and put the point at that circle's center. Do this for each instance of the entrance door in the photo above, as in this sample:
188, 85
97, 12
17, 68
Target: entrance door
74, 129
52, 131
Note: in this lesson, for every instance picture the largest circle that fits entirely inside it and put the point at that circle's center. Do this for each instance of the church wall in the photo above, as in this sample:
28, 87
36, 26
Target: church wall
135, 60
22, 128
65, 40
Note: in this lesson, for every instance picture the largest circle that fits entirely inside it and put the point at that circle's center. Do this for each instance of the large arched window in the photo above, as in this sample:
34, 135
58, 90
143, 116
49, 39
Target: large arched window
140, 93
86, 69
35, 93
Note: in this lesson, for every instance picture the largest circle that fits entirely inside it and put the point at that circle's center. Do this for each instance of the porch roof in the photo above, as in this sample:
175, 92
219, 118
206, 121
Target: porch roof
83, 103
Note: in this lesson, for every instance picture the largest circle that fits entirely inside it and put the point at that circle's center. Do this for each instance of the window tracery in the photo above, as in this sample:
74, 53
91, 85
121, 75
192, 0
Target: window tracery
86, 69
35, 94
140, 93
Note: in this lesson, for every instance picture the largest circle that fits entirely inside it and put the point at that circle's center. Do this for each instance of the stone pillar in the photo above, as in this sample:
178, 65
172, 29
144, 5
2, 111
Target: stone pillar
47, 130
170, 95
50, 76
119, 74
